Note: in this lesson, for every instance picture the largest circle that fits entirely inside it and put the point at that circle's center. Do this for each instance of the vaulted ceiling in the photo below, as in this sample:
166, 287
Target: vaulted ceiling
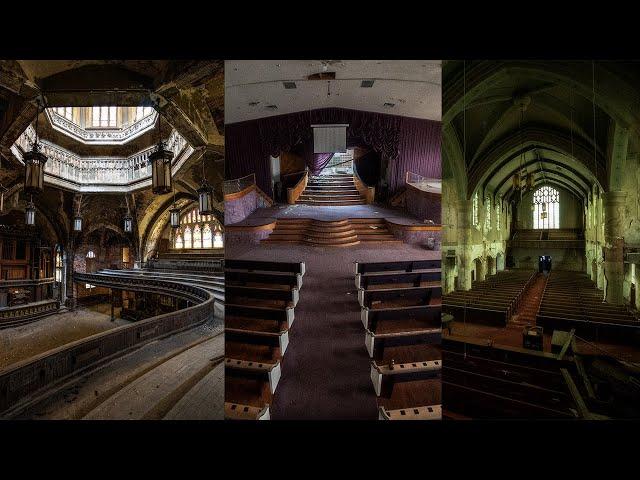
554, 118
190, 95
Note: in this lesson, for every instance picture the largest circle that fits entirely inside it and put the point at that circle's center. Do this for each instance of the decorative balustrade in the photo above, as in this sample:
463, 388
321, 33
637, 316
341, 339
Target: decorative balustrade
423, 183
101, 136
22, 314
91, 170
238, 184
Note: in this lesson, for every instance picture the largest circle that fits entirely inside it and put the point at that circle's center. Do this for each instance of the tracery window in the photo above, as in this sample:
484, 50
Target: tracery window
198, 231
59, 265
487, 216
546, 208
474, 216
498, 215
90, 254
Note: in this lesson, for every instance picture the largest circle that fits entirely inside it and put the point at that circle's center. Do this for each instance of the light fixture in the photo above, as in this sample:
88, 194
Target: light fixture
160, 161
128, 223
30, 213
77, 220
34, 161
128, 219
174, 213
205, 194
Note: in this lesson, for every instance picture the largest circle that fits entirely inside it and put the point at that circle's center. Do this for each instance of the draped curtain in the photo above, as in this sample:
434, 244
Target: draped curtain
407, 144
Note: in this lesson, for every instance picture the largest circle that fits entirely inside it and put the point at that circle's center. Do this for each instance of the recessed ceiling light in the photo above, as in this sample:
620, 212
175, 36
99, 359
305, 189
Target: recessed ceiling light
271, 107
366, 83
389, 105
289, 85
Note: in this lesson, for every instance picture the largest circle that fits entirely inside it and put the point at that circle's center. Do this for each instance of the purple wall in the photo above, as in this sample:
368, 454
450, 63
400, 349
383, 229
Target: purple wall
240, 208
409, 144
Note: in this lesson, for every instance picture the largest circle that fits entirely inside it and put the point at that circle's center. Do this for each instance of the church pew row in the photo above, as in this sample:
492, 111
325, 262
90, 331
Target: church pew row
247, 278
394, 280
266, 266
402, 320
413, 295
258, 315
268, 296
481, 381
571, 300
249, 388
400, 266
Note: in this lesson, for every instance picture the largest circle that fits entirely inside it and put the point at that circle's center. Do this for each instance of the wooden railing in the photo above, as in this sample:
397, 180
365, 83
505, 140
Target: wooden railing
294, 193
369, 193
23, 380
21, 314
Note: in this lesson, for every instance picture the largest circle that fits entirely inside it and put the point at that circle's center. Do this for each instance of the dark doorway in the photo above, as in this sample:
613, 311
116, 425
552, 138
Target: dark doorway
544, 264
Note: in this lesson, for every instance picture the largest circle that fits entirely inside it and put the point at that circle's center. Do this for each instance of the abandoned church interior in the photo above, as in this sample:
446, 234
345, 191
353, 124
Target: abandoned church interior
111, 239
541, 239
332, 213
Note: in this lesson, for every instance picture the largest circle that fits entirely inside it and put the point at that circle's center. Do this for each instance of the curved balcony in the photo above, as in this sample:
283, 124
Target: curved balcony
25, 379
100, 174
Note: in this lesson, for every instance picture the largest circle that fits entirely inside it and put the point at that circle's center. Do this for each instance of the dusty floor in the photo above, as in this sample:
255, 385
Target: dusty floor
21, 343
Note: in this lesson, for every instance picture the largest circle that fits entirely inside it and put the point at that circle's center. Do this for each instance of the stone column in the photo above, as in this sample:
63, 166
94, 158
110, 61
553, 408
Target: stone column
465, 208
614, 208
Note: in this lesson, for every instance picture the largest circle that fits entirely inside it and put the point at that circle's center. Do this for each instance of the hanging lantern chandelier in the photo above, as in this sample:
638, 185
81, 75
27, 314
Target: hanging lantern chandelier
34, 161
77, 220
128, 223
30, 214
128, 219
205, 194
174, 213
160, 161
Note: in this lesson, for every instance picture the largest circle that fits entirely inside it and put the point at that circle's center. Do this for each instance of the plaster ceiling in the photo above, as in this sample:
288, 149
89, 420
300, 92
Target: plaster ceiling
413, 86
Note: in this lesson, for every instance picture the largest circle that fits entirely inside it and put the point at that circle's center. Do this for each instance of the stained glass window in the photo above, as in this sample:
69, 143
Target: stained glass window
546, 208
474, 217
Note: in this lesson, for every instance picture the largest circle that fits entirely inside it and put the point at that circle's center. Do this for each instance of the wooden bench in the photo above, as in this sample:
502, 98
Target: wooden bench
285, 280
242, 294
419, 316
400, 266
419, 295
365, 280
265, 266
249, 384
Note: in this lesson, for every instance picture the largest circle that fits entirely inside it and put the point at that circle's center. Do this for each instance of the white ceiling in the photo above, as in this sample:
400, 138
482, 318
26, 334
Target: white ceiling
414, 86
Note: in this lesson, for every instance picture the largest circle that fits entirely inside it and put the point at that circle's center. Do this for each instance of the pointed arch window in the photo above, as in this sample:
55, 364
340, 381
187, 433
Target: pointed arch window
474, 209
197, 237
207, 238
546, 208
487, 215
187, 237
179, 244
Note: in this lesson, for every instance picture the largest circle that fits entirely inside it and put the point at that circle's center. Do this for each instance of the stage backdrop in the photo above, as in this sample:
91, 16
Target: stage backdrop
408, 144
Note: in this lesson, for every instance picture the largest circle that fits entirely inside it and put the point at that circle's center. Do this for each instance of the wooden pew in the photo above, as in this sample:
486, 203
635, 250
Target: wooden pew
290, 280
249, 388
365, 280
262, 313
413, 388
417, 317
419, 295
254, 345
265, 266
242, 294
400, 266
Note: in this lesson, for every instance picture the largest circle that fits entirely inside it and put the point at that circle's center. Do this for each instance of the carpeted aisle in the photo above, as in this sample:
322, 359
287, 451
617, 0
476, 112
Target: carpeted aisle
325, 371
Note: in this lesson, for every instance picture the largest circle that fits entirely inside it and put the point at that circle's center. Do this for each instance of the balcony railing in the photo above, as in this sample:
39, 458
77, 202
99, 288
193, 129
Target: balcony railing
101, 136
69, 166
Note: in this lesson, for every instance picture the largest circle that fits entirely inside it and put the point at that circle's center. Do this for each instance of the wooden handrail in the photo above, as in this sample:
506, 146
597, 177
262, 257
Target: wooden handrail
294, 193
369, 193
